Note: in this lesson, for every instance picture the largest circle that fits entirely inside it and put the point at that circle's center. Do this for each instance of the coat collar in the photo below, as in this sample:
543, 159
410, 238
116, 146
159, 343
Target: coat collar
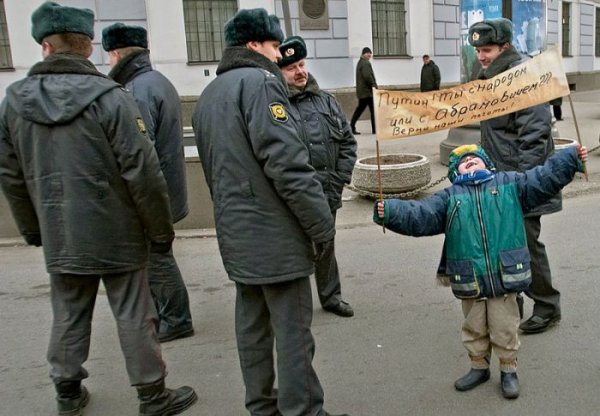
131, 66
504, 61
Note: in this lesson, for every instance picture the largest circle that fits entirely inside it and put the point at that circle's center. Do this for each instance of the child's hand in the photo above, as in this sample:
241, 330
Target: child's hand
381, 212
381, 209
582, 153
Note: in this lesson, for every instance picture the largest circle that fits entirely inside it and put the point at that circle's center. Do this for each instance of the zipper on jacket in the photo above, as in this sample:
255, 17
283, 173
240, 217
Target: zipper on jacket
484, 241
452, 215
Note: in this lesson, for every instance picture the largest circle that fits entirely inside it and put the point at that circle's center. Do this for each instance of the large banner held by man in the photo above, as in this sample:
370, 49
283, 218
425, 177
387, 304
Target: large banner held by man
401, 114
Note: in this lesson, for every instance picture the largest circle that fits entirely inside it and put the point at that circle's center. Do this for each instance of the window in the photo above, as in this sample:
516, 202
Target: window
389, 27
5, 57
566, 29
597, 44
204, 20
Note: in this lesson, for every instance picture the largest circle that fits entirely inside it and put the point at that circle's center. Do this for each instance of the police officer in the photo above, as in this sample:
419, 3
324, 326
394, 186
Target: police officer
82, 180
160, 106
332, 149
269, 209
520, 141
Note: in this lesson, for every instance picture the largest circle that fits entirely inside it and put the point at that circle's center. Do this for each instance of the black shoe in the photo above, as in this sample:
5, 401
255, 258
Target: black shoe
72, 403
510, 385
354, 132
341, 309
175, 333
329, 414
537, 324
472, 379
156, 400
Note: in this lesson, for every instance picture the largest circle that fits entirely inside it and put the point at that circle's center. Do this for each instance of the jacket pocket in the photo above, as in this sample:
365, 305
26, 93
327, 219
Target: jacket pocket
462, 279
515, 269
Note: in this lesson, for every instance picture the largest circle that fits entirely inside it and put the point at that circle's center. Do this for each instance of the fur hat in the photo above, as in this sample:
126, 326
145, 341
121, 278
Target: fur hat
491, 32
118, 36
249, 25
366, 49
52, 18
466, 149
293, 49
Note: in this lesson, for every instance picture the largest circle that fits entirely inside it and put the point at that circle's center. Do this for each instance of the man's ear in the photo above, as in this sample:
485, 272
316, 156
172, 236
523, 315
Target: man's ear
505, 46
47, 49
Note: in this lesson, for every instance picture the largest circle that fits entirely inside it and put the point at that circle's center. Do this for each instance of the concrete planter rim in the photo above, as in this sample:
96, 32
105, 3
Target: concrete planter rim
395, 177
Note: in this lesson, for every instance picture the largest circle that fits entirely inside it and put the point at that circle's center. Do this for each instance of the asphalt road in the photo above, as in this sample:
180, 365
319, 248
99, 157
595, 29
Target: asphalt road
399, 355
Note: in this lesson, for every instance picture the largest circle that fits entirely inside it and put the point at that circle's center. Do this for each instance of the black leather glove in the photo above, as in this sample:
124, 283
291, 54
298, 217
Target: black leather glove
322, 248
160, 247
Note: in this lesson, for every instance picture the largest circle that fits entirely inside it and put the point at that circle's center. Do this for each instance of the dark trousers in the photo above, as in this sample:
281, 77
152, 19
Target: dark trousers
169, 292
546, 298
362, 104
557, 110
327, 277
279, 314
73, 298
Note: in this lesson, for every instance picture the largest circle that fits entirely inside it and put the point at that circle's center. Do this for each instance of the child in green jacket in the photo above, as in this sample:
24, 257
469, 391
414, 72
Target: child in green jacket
485, 258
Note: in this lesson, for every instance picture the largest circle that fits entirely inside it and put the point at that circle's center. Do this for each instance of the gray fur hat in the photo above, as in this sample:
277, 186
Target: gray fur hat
252, 25
491, 32
52, 18
118, 36
293, 49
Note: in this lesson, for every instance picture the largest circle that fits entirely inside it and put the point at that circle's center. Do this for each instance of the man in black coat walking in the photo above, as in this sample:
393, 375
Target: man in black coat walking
160, 106
430, 75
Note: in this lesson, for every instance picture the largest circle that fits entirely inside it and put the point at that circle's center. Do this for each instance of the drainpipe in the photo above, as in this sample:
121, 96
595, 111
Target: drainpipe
286, 18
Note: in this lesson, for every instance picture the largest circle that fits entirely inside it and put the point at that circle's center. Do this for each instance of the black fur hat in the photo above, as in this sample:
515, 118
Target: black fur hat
293, 49
491, 32
118, 36
52, 18
252, 25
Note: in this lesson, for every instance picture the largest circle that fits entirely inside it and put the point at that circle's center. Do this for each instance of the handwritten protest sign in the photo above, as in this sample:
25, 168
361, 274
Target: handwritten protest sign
401, 114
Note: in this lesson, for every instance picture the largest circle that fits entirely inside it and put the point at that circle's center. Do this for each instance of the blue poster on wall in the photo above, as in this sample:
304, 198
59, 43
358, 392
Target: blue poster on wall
471, 12
529, 26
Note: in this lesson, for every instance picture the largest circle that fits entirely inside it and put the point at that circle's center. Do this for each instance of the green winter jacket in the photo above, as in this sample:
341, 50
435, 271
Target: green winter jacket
485, 252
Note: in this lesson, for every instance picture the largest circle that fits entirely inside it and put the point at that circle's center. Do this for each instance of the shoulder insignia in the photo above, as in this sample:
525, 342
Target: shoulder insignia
141, 125
278, 112
269, 74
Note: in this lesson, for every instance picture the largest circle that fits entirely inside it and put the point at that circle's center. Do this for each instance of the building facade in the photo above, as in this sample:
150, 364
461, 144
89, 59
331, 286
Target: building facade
186, 37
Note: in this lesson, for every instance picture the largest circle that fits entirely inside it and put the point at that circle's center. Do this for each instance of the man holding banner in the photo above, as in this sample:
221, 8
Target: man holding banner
519, 141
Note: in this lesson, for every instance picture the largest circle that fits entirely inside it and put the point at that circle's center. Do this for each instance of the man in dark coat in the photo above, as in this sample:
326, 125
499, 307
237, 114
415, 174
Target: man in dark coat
430, 75
82, 180
269, 210
160, 106
520, 141
332, 150
365, 82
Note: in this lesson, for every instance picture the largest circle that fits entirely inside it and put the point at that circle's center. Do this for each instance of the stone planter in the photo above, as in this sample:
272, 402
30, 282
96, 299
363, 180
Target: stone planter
401, 172
563, 142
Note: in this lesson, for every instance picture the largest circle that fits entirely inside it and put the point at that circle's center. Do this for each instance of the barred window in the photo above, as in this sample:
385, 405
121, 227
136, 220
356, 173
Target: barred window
5, 57
389, 27
204, 20
597, 43
566, 29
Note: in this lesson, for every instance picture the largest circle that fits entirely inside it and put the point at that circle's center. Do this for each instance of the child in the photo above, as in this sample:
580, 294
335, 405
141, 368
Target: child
485, 258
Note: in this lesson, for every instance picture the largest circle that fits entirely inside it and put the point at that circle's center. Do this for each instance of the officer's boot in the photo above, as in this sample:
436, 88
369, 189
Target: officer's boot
71, 398
156, 400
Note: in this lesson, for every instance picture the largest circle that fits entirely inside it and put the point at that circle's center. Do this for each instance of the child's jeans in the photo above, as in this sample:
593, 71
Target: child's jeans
492, 323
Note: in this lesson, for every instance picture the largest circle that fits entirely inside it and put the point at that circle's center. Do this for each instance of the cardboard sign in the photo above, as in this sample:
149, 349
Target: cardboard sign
402, 114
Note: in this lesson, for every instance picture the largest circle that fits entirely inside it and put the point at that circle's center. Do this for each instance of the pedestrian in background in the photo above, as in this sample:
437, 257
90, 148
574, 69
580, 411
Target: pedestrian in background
430, 75
83, 181
159, 103
519, 141
332, 151
485, 258
269, 211
365, 82
557, 108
